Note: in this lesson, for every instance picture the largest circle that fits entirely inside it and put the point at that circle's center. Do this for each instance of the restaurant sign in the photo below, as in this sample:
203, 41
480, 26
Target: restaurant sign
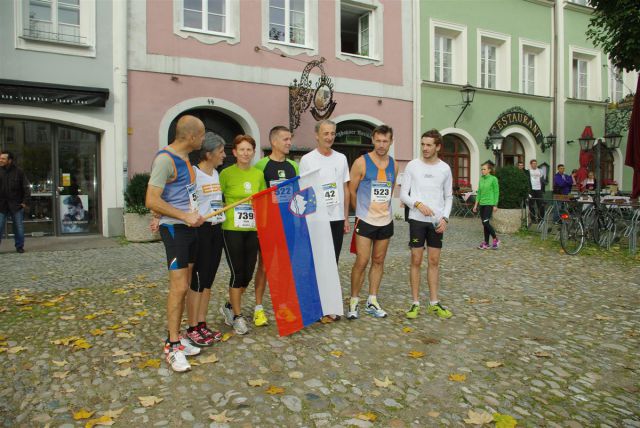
32, 93
517, 116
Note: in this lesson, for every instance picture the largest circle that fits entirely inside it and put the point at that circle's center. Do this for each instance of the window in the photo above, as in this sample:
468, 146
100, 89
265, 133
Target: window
456, 154
512, 151
586, 71
287, 21
355, 30
442, 60
60, 26
205, 15
616, 91
528, 73
448, 53
580, 75
581, 2
534, 67
494, 67
488, 66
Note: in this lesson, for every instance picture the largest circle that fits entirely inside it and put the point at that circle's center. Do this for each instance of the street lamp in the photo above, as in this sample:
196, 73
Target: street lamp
494, 143
550, 140
468, 93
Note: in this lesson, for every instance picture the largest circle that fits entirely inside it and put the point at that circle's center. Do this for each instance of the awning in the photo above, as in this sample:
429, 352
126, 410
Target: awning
36, 93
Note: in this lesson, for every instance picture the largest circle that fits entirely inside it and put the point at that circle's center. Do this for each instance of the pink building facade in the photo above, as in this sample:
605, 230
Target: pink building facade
231, 62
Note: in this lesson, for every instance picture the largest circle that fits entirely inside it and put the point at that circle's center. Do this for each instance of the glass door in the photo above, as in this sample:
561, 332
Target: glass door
77, 199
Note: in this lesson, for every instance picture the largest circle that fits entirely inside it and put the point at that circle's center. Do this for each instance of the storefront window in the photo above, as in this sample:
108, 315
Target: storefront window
512, 151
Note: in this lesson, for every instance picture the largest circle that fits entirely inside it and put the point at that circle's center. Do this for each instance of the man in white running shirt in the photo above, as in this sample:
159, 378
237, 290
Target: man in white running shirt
427, 191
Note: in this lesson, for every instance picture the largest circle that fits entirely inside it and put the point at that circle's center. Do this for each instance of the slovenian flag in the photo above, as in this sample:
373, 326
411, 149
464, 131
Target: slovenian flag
297, 252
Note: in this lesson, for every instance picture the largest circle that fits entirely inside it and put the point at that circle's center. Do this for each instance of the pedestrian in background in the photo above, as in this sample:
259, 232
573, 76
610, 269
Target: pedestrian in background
14, 194
487, 198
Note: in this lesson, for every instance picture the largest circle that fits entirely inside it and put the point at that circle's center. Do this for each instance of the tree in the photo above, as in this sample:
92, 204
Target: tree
615, 27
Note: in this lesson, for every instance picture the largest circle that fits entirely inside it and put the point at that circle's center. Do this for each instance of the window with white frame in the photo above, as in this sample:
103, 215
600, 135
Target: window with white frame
448, 52
60, 26
534, 67
585, 75
580, 78
209, 16
529, 73
616, 85
356, 29
287, 21
580, 2
494, 67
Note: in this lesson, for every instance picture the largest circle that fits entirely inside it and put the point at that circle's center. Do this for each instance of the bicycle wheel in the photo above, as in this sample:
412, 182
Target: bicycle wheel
571, 236
606, 230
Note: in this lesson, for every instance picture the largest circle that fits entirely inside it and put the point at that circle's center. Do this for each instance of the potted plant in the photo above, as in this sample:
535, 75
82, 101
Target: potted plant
136, 215
513, 191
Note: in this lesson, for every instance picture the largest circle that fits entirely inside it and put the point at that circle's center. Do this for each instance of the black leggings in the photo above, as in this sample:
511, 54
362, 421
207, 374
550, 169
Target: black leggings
337, 233
241, 249
485, 216
208, 259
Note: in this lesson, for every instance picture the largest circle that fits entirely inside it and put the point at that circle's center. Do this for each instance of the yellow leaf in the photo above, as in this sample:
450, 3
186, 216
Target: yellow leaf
90, 316
209, 359
140, 354
416, 354
102, 420
504, 421
3, 337
542, 354
81, 344
114, 327
603, 318
48, 304
120, 291
26, 308
221, 417
67, 317
153, 363
493, 364
256, 382
119, 353
383, 383
125, 335
141, 313
60, 375
369, 416
124, 373
433, 414
66, 340
473, 301
407, 330
59, 363
113, 413
123, 361
16, 349
478, 418
273, 390
97, 332
82, 414
149, 400
457, 377
336, 353
3, 350
226, 337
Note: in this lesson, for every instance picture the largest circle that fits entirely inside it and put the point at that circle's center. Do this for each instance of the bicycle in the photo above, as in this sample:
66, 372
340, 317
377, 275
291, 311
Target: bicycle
580, 223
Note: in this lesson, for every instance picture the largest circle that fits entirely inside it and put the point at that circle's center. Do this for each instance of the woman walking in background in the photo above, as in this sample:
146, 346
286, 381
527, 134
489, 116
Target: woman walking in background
487, 199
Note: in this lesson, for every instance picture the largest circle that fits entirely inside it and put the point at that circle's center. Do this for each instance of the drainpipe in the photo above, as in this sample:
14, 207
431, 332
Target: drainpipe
417, 80
558, 122
554, 110
120, 95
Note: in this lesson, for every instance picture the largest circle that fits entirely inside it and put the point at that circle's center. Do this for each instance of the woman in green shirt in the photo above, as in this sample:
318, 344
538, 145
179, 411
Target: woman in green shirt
239, 228
487, 197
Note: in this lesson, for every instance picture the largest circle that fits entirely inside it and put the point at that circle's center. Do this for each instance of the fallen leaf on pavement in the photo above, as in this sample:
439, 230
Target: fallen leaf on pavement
478, 418
603, 318
504, 421
457, 377
113, 413
226, 337
416, 354
296, 375
221, 417
59, 363
336, 353
407, 329
369, 416
125, 335
119, 353
124, 372
82, 414
97, 332
273, 390
81, 344
123, 361
16, 349
383, 383
211, 358
473, 301
65, 340
493, 364
433, 414
141, 313
101, 421
60, 375
256, 382
153, 363
149, 400
67, 317
542, 354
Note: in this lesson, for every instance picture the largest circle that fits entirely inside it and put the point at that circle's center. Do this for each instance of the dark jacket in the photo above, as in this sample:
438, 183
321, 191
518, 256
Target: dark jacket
562, 184
14, 189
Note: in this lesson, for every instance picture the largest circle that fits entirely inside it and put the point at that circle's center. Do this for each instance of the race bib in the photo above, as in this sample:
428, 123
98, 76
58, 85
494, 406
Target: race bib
282, 194
380, 191
215, 206
193, 196
330, 191
244, 217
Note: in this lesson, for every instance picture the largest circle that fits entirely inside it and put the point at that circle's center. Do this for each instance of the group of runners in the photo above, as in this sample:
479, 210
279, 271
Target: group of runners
185, 200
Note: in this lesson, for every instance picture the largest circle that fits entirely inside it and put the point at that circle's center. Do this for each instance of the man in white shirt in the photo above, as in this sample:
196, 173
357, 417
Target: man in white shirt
427, 190
536, 181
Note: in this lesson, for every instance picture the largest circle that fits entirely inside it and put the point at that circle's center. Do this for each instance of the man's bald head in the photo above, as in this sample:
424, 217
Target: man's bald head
187, 126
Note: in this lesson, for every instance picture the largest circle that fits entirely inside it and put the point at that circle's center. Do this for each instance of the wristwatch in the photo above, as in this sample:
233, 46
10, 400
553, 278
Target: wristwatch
446, 219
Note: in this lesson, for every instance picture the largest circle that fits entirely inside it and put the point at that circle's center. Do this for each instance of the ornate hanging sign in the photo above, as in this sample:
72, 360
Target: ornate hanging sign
302, 94
517, 116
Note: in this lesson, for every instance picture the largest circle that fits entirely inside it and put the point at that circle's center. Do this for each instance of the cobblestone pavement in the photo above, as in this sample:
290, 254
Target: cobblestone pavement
563, 331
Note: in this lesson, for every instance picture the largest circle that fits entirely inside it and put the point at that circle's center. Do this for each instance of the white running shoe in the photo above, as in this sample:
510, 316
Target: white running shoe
352, 314
189, 350
227, 315
240, 325
375, 310
176, 358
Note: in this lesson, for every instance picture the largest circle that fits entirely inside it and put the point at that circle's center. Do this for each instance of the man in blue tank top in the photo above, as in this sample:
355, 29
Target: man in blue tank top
373, 176
172, 196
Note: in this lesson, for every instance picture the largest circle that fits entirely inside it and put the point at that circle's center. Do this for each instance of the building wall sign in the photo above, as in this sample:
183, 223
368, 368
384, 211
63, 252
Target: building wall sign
302, 94
33, 93
517, 116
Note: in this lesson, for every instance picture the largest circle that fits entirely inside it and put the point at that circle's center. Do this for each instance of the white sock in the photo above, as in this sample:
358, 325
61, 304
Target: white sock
353, 302
417, 303
373, 300
433, 303
259, 307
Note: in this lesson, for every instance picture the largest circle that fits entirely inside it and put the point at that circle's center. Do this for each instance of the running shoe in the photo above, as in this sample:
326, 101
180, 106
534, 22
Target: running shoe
352, 314
483, 246
496, 244
440, 311
240, 325
196, 337
189, 350
413, 312
375, 310
259, 318
215, 335
227, 315
175, 358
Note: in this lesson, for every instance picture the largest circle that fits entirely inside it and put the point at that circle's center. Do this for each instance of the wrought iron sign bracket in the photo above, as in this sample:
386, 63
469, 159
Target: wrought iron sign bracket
302, 94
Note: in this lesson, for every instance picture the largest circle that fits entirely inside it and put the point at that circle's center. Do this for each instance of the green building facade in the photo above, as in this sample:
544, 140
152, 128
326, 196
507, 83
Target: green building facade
534, 74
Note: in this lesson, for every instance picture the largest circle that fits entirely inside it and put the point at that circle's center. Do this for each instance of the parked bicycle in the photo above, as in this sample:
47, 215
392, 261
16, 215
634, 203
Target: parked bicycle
586, 221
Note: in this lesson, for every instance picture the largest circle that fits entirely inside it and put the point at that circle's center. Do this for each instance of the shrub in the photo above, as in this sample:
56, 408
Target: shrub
513, 187
134, 196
